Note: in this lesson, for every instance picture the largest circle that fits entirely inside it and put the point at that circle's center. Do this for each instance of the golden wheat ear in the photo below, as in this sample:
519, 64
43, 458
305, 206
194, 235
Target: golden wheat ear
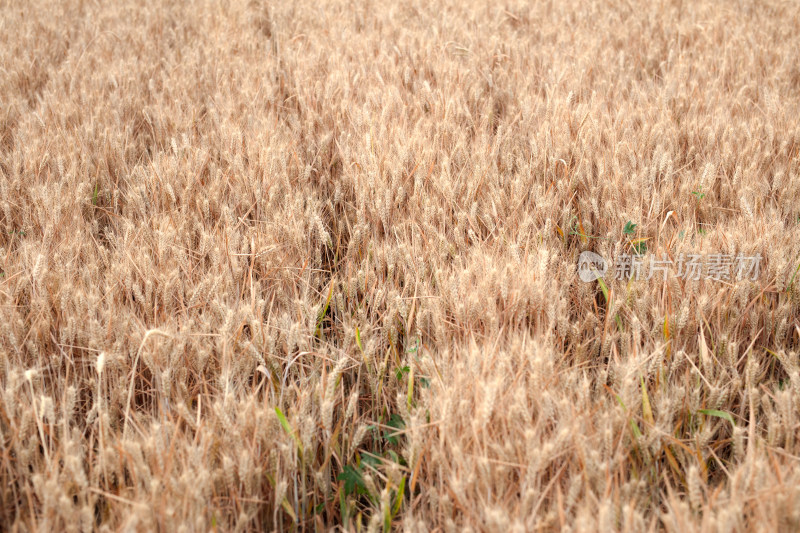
399, 265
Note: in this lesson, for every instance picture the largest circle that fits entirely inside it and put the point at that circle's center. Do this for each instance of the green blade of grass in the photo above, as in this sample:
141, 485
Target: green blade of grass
324, 312
288, 428
718, 414
358, 340
607, 294
398, 501
603, 287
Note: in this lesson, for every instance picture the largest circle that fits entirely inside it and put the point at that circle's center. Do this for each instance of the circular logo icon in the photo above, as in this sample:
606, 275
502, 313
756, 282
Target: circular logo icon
591, 266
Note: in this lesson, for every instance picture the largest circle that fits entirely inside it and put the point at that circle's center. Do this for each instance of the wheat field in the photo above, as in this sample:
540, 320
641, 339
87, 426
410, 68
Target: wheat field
314, 265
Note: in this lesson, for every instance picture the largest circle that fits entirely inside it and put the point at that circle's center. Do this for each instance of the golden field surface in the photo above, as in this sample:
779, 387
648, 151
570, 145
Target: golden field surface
314, 265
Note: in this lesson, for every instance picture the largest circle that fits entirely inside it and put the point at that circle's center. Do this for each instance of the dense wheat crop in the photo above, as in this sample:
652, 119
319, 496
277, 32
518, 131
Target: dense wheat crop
310, 265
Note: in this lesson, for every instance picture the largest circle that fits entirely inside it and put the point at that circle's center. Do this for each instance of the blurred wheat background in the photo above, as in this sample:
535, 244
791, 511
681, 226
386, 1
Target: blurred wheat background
312, 265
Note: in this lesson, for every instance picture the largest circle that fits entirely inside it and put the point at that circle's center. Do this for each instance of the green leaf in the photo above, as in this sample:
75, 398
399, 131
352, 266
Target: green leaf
400, 371
283, 421
718, 414
288, 428
393, 456
401, 490
635, 429
620, 402
370, 460
607, 294
395, 422
630, 228
352, 479
323, 312
410, 394
343, 508
603, 288
358, 340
